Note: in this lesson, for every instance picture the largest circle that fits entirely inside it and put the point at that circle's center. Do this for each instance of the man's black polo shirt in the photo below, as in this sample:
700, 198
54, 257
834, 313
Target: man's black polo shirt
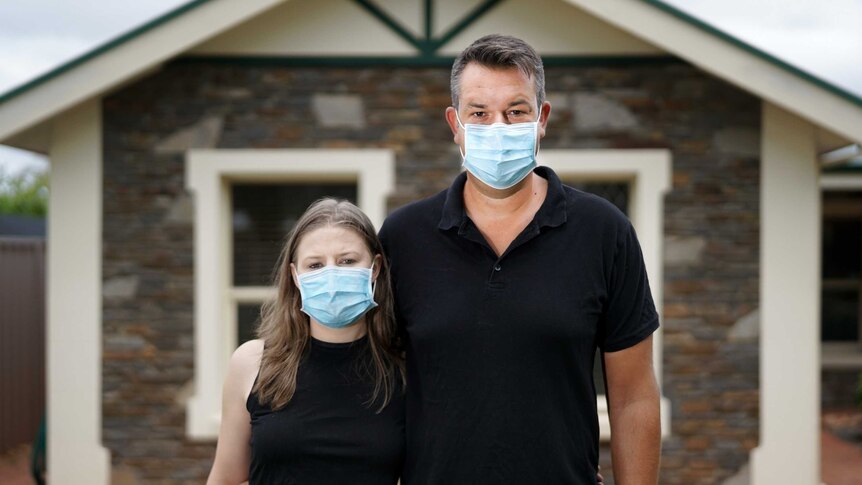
500, 350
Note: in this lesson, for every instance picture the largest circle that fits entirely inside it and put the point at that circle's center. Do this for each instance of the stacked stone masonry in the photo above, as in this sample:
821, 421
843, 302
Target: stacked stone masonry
711, 227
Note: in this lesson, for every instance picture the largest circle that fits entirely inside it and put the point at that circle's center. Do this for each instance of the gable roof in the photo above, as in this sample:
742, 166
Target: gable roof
729, 58
141, 50
121, 60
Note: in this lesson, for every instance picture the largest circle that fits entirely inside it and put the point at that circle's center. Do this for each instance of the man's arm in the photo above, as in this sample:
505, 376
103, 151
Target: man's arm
633, 399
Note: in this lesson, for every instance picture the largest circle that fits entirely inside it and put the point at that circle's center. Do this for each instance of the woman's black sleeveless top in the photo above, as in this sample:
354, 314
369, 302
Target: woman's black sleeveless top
328, 434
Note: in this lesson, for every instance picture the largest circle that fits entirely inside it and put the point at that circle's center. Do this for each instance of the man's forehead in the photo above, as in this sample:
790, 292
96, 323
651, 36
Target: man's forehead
478, 83
475, 69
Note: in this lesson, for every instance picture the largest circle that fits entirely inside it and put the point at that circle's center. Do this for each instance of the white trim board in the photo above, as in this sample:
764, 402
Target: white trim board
74, 301
789, 303
841, 182
208, 174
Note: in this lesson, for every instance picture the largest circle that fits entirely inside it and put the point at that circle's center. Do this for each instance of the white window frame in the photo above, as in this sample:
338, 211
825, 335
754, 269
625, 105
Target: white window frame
648, 173
209, 175
841, 355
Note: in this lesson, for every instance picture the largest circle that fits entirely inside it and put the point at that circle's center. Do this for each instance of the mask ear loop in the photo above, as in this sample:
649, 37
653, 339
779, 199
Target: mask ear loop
538, 118
464, 129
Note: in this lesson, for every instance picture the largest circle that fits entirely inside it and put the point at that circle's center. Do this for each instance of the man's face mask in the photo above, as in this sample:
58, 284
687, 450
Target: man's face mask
500, 154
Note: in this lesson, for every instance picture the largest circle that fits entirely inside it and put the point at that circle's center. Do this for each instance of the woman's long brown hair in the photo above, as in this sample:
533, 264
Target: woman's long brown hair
285, 329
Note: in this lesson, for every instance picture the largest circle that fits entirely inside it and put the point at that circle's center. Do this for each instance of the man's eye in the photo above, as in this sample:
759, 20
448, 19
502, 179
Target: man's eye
478, 114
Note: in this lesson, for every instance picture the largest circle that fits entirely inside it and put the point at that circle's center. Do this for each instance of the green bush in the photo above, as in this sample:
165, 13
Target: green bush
24, 194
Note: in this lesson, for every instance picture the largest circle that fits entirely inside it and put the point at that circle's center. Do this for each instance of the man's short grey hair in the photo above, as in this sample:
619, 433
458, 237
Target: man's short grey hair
499, 51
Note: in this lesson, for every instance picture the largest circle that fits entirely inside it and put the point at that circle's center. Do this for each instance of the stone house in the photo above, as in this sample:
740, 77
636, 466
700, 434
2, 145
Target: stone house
181, 152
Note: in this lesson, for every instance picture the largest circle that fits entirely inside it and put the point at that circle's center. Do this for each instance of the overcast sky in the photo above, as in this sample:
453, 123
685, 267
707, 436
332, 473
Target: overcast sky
822, 37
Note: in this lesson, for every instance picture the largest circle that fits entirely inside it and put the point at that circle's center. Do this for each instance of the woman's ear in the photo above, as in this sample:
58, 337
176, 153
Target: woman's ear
378, 263
293, 275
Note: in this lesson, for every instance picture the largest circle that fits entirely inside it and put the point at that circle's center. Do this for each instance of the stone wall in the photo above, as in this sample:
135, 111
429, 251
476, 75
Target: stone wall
711, 221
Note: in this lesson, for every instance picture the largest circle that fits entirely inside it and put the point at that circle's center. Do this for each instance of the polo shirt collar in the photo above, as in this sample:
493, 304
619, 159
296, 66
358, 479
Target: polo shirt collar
552, 213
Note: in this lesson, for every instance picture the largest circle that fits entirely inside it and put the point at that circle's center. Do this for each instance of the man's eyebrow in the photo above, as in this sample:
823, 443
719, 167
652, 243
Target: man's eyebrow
517, 102
477, 105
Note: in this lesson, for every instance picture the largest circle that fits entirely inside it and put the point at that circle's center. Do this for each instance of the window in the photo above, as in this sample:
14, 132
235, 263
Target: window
245, 203
841, 284
635, 181
262, 214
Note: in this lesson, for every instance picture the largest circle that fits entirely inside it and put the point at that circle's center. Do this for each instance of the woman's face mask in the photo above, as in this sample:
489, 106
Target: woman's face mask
337, 296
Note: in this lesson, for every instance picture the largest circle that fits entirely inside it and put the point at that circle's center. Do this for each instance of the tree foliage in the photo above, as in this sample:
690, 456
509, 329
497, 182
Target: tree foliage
24, 194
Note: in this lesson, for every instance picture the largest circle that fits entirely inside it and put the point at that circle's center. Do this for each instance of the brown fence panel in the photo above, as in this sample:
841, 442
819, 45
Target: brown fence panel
22, 339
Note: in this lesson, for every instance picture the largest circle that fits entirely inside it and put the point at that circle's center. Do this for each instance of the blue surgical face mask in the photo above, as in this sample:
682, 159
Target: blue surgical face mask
335, 296
500, 155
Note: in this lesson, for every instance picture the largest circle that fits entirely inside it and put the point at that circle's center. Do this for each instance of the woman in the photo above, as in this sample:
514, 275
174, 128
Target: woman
317, 398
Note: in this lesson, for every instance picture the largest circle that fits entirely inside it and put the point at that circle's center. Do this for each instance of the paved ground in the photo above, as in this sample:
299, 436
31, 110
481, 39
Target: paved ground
15, 467
841, 462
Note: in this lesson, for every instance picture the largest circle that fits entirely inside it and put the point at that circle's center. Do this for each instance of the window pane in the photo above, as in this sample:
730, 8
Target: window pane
842, 248
840, 315
262, 215
247, 318
598, 377
617, 193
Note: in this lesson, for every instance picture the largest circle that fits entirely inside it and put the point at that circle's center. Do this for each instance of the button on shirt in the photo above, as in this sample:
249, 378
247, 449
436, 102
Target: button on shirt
500, 349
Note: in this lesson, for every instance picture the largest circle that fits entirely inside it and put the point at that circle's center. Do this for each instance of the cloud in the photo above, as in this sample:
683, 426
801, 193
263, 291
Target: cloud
89, 19
25, 58
822, 38
38, 35
15, 162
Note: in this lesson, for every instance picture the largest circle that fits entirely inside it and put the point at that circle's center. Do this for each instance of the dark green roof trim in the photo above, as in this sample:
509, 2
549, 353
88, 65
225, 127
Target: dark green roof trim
419, 61
465, 22
102, 49
429, 19
843, 169
817, 81
393, 25
427, 46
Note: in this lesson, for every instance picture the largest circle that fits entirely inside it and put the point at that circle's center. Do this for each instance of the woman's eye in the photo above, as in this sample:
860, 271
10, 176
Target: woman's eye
315, 266
347, 262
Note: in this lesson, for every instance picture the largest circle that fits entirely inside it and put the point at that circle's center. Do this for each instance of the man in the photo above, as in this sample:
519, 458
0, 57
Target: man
506, 284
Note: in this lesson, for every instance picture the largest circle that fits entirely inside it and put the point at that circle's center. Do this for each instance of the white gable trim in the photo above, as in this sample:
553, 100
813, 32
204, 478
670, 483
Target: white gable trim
124, 62
731, 63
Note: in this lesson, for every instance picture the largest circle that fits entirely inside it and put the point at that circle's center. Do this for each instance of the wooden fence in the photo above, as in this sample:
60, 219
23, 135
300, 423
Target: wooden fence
22, 339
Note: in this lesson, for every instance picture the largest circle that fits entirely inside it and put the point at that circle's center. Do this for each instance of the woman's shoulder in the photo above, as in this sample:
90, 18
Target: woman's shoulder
244, 365
251, 349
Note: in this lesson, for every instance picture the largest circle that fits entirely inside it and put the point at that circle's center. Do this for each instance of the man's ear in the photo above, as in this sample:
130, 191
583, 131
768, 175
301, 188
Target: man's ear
545, 113
452, 120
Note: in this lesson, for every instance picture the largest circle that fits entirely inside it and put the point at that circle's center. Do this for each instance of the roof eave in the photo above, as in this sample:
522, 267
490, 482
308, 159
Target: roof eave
121, 60
730, 59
